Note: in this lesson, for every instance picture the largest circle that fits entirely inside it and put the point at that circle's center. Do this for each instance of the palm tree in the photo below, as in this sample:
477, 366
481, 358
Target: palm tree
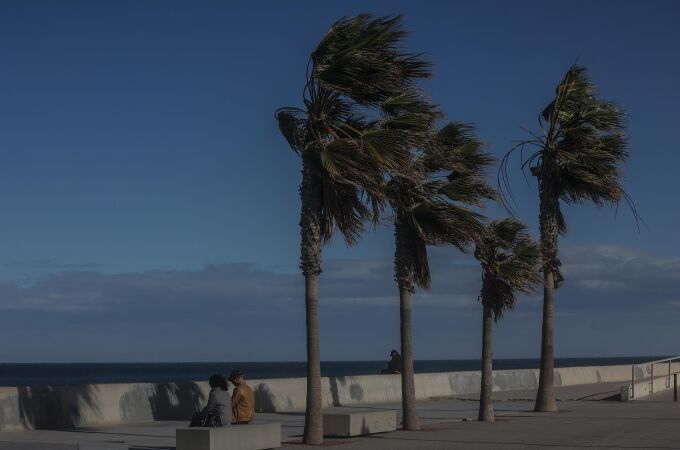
578, 154
432, 201
510, 261
356, 67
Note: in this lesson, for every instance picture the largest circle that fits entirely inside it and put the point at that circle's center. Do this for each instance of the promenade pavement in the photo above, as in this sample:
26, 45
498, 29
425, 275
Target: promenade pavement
589, 418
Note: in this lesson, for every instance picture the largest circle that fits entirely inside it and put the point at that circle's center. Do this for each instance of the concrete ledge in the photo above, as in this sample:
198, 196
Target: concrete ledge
235, 437
102, 445
346, 422
52, 407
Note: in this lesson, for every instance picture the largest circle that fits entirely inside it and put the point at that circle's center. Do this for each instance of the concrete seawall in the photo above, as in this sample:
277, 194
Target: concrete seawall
40, 407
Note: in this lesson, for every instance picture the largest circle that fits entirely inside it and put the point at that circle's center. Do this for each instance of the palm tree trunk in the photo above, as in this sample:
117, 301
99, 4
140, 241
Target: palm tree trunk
313, 433
404, 267
485, 396
545, 398
549, 228
311, 196
408, 387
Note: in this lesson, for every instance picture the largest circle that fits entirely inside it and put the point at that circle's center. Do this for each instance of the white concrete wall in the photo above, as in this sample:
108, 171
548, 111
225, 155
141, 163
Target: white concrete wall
78, 405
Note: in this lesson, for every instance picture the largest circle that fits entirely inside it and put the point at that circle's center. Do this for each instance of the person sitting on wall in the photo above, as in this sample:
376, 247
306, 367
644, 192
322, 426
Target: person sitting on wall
215, 413
394, 366
242, 400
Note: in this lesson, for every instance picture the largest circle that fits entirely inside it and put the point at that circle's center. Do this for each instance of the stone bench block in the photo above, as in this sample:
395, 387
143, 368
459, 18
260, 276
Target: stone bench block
236, 437
90, 445
346, 422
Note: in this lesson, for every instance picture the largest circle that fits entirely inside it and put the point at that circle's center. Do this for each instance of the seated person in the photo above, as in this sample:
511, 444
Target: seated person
394, 366
242, 400
216, 412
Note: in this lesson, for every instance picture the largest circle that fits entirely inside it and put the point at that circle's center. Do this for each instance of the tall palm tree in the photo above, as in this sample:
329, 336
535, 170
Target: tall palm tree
577, 159
356, 68
510, 261
432, 201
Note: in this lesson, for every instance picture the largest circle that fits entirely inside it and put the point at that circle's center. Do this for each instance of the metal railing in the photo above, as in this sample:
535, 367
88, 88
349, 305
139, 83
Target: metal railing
651, 377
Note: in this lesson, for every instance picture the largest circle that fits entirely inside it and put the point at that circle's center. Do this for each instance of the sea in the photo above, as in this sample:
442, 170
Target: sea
37, 374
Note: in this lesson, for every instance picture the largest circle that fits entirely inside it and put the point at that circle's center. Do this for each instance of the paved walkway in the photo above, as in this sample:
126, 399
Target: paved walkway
588, 419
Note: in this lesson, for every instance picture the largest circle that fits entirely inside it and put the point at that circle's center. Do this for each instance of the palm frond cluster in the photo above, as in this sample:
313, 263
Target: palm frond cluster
434, 200
358, 122
361, 57
576, 157
510, 260
580, 148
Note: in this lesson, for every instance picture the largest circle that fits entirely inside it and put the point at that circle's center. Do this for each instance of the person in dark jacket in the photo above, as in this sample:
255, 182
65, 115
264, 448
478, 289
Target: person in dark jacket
217, 412
394, 366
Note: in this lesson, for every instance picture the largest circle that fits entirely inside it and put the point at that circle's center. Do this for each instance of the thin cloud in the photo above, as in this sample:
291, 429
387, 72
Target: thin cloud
593, 273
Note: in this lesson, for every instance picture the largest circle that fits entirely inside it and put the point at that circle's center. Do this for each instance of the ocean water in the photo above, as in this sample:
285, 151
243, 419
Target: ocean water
33, 374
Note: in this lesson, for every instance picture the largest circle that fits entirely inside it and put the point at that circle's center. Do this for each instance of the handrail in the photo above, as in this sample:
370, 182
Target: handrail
657, 361
652, 363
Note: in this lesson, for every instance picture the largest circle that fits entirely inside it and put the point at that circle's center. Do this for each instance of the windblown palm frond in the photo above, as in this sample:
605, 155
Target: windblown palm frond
360, 57
445, 180
328, 136
440, 223
411, 102
510, 261
344, 209
587, 139
358, 123
293, 127
457, 153
581, 148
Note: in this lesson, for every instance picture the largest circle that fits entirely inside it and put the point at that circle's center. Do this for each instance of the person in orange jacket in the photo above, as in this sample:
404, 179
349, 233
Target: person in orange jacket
242, 400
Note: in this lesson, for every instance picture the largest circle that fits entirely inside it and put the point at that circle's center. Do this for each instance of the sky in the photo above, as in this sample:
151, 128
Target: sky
149, 205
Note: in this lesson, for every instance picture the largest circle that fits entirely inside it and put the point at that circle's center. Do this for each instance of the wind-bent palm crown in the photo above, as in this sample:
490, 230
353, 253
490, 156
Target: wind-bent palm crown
356, 70
510, 261
579, 151
444, 179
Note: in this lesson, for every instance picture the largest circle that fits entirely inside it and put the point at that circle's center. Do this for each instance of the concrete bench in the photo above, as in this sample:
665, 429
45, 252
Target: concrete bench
236, 437
346, 422
90, 445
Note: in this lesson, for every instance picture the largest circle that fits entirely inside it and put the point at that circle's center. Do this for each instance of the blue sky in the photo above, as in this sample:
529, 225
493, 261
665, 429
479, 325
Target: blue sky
145, 188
